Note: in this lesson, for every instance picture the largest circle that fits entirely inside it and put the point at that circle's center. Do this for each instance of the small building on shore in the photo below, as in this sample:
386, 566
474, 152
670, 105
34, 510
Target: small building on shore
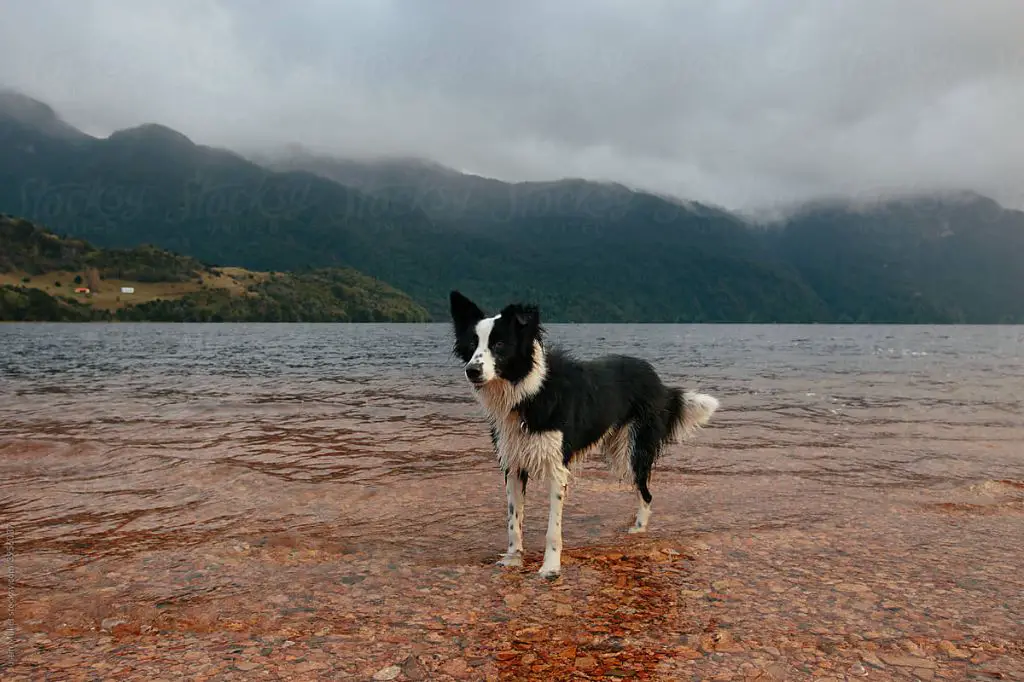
82, 290
127, 290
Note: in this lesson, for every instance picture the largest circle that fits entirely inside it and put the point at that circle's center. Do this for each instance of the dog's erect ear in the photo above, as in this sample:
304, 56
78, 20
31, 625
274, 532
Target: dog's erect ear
525, 316
465, 313
528, 316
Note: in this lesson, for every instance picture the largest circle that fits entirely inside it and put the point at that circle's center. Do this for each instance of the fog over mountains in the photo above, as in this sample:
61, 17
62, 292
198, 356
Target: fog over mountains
742, 104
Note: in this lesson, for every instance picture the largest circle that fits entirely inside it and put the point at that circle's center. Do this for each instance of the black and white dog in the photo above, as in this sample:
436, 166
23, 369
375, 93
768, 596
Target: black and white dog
548, 411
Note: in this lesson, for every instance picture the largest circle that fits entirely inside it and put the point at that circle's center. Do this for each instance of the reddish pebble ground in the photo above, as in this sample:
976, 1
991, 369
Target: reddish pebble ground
903, 588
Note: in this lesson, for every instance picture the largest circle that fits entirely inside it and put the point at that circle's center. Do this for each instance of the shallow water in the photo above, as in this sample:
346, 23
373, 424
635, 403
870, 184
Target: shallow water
130, 449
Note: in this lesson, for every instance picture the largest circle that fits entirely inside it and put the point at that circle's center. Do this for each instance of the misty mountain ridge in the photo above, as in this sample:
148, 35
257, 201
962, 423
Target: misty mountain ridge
153, 132
584, 250
446, 193
398, 174
18, 108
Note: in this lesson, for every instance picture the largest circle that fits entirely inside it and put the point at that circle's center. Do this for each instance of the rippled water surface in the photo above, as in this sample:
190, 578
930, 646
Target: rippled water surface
125, 440
160, 433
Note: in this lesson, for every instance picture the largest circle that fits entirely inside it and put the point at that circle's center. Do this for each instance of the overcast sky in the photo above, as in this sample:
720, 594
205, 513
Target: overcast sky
743, 103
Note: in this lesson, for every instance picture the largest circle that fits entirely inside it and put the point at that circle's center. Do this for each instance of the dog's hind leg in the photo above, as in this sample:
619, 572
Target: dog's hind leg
646, 445
515, 491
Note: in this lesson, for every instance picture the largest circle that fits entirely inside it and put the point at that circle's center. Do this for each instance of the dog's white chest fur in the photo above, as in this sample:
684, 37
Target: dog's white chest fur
538, 454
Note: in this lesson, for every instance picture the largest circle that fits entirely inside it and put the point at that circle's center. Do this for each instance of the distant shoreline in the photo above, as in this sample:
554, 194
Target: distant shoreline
550, 323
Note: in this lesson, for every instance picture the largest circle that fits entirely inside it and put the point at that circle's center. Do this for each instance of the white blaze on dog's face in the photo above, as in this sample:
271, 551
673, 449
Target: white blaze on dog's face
483, 356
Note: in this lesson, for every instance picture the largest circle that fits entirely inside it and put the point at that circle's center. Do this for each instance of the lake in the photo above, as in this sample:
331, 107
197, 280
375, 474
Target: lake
322, 499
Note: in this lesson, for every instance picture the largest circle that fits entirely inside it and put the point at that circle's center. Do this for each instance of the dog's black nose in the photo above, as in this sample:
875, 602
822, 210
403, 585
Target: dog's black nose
474, 373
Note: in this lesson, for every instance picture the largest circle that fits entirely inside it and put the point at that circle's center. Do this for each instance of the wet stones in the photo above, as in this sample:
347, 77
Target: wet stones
389, 673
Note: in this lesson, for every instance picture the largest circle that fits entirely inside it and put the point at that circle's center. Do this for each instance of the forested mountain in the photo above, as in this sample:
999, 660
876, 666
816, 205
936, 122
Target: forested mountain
585, 251
942, 258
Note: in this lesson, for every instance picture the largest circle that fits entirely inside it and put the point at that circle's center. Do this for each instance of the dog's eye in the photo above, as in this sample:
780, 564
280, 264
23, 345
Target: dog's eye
498, 345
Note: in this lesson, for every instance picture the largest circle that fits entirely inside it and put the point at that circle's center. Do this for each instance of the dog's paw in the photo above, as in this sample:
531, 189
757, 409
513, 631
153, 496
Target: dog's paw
637, 529
510, 560
549, 572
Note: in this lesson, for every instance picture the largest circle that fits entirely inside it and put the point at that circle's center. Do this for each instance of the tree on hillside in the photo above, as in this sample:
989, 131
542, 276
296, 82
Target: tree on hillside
92, 276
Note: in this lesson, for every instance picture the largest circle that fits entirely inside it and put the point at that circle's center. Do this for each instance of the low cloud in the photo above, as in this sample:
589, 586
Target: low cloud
741, 103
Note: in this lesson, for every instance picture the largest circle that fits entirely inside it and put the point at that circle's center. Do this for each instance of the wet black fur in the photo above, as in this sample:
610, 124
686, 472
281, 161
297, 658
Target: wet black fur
582, 399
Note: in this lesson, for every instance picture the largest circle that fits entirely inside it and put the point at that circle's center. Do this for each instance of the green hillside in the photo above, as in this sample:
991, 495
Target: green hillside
40, 272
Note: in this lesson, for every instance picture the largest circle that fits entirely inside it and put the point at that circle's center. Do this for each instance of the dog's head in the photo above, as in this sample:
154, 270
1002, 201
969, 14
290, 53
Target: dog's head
498, 348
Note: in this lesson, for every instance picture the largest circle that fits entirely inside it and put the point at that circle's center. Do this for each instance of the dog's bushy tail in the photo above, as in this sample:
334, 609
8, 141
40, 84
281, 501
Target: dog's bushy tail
690, 411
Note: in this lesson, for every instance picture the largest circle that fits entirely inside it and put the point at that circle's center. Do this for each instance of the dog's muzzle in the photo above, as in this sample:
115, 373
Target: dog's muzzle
475, 373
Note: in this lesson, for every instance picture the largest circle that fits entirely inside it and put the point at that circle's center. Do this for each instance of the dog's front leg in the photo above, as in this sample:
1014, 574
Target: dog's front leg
552, 565
515, 491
